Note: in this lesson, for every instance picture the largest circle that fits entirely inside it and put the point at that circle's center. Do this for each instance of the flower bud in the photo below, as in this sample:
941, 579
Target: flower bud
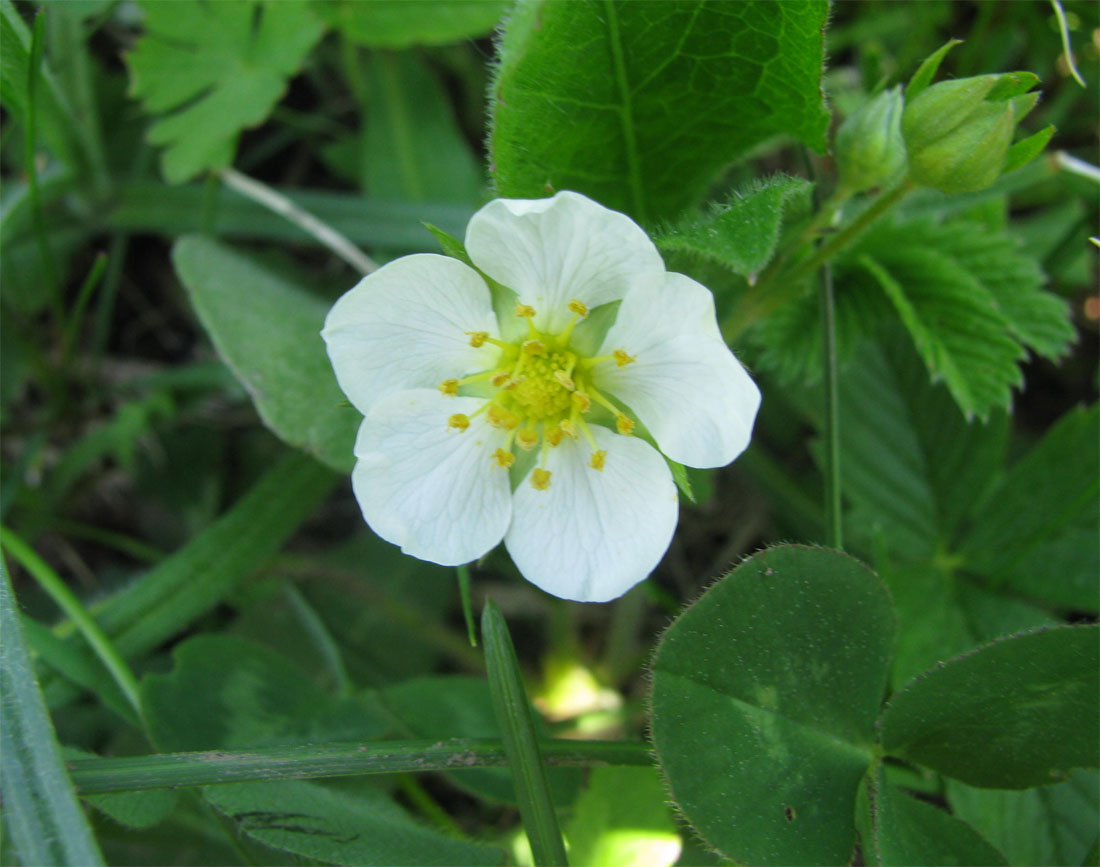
869, 146
957, 133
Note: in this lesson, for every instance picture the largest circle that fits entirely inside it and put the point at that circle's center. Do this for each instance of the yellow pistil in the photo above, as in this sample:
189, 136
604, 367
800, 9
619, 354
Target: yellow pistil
449, 387
459, 421
503, 458
540, 479
578, 307
527, 438
622, 359
599, 457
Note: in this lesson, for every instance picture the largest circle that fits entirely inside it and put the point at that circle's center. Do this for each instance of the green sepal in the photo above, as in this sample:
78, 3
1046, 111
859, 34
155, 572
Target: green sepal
1026, 149
927, 70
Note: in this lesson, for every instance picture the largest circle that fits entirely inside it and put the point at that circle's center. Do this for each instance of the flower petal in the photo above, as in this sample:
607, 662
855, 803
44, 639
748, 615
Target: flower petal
685, 385
594, 534
551, 251
427, 487
407, 325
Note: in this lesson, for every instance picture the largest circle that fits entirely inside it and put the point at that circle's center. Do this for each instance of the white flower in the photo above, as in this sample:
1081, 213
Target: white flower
536, 428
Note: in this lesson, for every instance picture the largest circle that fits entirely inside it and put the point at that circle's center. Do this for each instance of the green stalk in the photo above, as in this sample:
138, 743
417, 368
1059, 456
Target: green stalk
463, 573
66, 600
833, 527
309, 761
513, 714
313, 624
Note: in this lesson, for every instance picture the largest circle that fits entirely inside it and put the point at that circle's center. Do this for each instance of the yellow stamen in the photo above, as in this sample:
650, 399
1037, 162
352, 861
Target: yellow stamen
578, 307
503, 458
540, 479
599, 457
624, 425
587, 431
582, 401
459, 421
499, 417
498, 380
525, 311
527, 439
478, 338
564, 379
534, 347
555, 435
449, 387
622, 359
567, 427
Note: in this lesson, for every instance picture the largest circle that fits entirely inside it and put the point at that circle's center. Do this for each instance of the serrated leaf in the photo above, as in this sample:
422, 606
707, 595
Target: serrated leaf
591, 96
779, 669
41, 812
899, 831
399, 23
268, 330
1052, 825
1017, 713
221, 67
741, 233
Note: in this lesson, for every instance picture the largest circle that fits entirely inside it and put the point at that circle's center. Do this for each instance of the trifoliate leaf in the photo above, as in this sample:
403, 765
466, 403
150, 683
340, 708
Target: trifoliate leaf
221, 67
743, 232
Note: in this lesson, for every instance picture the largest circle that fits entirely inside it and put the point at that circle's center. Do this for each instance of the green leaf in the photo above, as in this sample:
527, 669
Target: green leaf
622, 820
221, 67
399, 24
592, 97
268, 330
779, 669
1040, 521
513, 713
362, 826
742, 233
461, 707
1052, 825
41, 812
1017, 713
899, 831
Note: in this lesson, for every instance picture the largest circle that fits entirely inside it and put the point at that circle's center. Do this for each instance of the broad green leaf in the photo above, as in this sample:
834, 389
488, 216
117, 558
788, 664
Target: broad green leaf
622, 820
156, 208
639, 105
41, 812
1017, 713
337, 826
779, 670
1052, 825
742, 233
220, 67
899, 831
192, 581
231, 693
54, 120
268, 330
1037, 530
461, 707
399, 24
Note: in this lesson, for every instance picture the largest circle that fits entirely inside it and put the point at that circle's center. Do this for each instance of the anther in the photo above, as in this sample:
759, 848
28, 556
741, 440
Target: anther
534, 347
449, 387
540, 479
622, 359
598, 459
499, 417
581, 401
554, 436
503, 458
459, 421
527, 438
499, 379
578, 307
568, 428
564, 380
525, 311
624, 425
478, 338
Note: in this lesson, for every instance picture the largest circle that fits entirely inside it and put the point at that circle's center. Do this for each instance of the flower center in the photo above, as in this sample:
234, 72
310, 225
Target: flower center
543, 393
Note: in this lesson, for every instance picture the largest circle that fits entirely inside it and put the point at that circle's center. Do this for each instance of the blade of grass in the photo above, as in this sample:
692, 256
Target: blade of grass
463, 573
76, 318
513, 714
308, 761
313, 624
66, 600
46, 823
